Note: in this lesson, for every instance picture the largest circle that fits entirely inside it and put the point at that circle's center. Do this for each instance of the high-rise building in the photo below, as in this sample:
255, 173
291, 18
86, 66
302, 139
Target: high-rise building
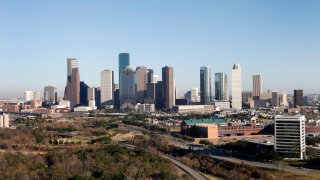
205, 85
155, 78
83, 94
141, 83
151, 91
298, 98
72, 91
4, 120
159, 95
221, 87
91, 98
106, 89
150, 76
257, 87
275, 99
194, 95
97, 95
168, 87
289, 134
127, 88
284, 99
236, 87
50, 95
124, 61
71, 63
246, 96
37, 96
28, 96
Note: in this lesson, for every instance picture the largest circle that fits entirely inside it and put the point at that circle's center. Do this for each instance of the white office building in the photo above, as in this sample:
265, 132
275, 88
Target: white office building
91, 98
106, 89
28, 96
4, 121
148, 108
236, 87
290, 139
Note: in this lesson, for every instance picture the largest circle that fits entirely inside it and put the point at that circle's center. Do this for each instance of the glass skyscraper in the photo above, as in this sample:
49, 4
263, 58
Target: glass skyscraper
205, 84
127, 85
221, 87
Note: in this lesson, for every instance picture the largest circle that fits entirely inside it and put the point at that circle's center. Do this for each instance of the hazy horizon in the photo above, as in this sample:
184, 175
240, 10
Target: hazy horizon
279, 40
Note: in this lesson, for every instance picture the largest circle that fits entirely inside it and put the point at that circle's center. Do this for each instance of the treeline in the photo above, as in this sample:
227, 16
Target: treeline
109, 162
145, 125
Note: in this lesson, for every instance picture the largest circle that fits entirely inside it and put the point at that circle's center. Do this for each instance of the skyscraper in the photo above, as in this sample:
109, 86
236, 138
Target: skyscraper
298, 98
124, 61
257, 87
275, 99
50, 94
168, 93
205, 84
106, 89
127, 91
83, 94
71, 63
91, 98
221, 87
150, 76
141, 83
236, 87
284, 99
72, 91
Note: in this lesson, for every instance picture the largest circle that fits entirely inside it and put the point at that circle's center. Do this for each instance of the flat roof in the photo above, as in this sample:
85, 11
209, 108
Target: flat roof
205, 121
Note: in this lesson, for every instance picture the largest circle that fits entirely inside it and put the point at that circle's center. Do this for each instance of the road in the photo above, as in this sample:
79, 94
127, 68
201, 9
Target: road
221, 155
193, 173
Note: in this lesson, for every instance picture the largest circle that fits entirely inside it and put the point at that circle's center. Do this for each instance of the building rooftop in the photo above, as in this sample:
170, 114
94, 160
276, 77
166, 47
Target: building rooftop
205, 121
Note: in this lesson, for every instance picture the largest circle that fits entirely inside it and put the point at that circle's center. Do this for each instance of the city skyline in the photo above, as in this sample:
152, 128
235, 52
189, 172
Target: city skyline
264, 38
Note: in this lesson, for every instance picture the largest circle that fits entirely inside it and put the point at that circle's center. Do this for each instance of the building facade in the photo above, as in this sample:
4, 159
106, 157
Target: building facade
168, 93
141, 83
290, 136
106, 89
127, 92
236, 87
205, 85
257, 87
72, 91
298, 98
221, 87
50, 94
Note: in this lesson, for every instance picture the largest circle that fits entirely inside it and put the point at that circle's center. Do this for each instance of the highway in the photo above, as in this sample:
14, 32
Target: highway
193, 173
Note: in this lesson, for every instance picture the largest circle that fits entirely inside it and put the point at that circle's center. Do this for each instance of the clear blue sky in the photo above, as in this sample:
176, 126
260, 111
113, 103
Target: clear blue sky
278, 39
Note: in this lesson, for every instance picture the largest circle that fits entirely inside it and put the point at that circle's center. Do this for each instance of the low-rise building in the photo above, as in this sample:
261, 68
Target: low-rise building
194, 109
149, 108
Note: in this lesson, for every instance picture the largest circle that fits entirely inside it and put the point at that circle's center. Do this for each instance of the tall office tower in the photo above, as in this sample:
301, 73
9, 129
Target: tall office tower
71, 63
106, 89
151, 91
50, 94
72, 91
150, 76
141, 83
83, 94
194, 96
124, 61
159, 93
236, 87
97, 96
205, 84
246, 96
91, 98
289, 135
127, 89
284, 99
168, 87
37, 96
176, 93
275, 99
257, 87
298, 98
28, 96
221, 87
